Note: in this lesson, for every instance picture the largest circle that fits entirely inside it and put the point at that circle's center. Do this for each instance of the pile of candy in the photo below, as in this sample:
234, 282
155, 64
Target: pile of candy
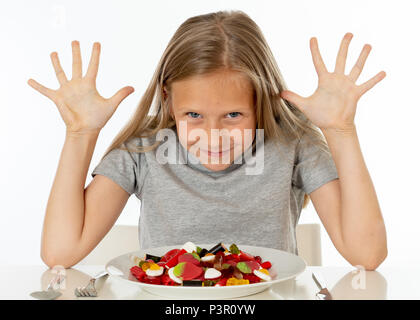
195, 266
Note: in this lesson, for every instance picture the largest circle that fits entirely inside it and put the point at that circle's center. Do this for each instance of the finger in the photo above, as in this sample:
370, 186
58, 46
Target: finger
371, 82
61, 76
40, 88
94, 61
316, 57
340, 64
117, 98
358, 67
77, 60
293, 98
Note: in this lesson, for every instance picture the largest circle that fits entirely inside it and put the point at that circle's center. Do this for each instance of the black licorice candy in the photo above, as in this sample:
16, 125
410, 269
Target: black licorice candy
202, 252
218, 247
192, 283
156, 259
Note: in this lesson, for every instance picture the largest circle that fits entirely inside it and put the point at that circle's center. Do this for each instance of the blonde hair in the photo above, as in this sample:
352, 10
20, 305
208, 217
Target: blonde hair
223, 40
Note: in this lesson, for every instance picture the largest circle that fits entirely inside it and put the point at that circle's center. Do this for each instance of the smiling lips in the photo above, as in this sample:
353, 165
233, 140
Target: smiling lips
216, 154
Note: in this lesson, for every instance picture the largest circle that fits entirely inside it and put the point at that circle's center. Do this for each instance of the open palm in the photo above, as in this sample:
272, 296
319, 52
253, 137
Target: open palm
79, 103
333, 104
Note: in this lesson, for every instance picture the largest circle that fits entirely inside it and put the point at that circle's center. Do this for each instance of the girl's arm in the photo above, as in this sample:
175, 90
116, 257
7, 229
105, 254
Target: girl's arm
76, 218
348, 206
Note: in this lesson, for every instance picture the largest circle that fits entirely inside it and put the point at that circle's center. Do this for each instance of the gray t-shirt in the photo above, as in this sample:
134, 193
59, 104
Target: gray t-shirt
188, 202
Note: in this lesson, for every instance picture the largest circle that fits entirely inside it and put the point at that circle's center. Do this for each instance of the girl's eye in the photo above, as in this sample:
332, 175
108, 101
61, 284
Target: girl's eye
234, 114
193, 114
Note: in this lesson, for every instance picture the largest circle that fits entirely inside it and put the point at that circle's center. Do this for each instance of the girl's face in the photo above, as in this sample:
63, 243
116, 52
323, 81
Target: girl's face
221, 100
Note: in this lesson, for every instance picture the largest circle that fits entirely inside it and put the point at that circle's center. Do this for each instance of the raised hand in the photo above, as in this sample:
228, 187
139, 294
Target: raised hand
333, 104
80, 105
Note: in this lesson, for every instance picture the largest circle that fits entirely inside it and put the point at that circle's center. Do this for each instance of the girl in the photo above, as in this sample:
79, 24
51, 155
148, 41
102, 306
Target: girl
216, 73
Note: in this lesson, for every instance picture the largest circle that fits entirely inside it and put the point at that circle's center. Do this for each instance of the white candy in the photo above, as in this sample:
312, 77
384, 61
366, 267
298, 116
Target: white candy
154, 273
189, 247
212, 273
174, 277
262, 275
208, 258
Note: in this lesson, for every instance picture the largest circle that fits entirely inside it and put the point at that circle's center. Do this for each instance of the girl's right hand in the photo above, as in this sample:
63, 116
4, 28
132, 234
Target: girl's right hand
80, 105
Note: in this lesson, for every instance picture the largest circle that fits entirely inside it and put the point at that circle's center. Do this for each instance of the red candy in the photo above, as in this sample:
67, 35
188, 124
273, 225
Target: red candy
190, 271
252, 278
188, 267
152, 280
138, 273
266, 265
173, 261
169, 255
222, 282
188, 257
167, 281
245, 257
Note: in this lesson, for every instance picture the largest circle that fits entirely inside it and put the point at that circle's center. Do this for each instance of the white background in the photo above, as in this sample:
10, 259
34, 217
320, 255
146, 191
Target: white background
133, 36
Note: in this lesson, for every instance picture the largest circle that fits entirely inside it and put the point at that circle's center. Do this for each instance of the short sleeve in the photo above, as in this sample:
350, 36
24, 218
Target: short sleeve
121, 167
313, 166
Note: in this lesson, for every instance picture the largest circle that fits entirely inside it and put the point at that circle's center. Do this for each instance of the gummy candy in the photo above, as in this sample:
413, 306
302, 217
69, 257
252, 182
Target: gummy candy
221, 282
189, 257
234, 249
155, 259
233, 281
187, 271
169, 255
138, 273
185, 267
246, 257
145, 265
252, 278
218, 261
266, 265
154, 266
174, 260
152, 280
247, 266
237, 274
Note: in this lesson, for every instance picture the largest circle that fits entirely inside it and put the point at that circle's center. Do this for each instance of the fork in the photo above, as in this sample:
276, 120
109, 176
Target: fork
90, 290
324, 294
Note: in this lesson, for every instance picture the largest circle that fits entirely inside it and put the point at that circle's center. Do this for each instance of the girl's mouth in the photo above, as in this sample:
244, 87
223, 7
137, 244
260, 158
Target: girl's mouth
217, 154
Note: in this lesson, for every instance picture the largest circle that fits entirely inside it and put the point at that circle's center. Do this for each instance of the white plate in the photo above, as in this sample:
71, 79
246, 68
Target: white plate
286, 265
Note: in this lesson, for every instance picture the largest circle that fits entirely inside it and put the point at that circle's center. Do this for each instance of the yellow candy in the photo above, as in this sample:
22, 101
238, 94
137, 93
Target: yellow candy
154, 266
234, 281
264, 271
145, 266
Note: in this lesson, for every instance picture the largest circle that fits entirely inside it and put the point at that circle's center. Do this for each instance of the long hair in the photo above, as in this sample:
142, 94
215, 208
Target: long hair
223, 40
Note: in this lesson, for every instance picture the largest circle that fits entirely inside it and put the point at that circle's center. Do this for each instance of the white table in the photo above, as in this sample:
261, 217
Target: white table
346, 283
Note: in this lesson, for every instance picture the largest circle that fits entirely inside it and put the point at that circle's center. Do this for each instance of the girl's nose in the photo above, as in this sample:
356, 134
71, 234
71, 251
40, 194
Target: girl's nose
219, 139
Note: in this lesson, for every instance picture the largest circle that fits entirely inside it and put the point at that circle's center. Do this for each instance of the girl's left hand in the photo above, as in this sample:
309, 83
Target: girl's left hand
333, 104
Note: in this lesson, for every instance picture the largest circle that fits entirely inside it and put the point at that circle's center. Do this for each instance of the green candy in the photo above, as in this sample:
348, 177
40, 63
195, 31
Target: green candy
234, 249
209, 283
179, 269
243, 267
195, 255
226, 266
198, 250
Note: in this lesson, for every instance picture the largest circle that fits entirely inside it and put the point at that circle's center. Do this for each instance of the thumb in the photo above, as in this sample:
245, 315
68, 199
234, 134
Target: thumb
294, 98
118, 97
